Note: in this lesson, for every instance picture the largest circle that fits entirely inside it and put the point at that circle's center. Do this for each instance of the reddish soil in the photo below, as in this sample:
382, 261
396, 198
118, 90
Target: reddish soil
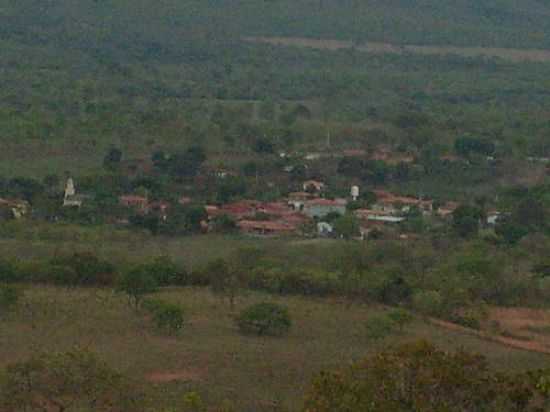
164, 377
527, 329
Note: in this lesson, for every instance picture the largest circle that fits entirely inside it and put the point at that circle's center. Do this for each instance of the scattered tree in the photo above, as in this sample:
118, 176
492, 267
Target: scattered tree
264, 319
137, 283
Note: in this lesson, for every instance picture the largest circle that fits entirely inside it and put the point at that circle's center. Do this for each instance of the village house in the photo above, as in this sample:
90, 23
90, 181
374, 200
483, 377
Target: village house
313, 186
318, 208
312, 156
16, 208
184, 200
389, 156
392, 204
378, 216
354, 153
447, 209
325, 229
140, 203
160, 208
492, 217
265, 227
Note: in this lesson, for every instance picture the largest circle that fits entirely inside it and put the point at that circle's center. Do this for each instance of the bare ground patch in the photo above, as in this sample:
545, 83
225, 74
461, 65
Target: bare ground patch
516, 55
171, 376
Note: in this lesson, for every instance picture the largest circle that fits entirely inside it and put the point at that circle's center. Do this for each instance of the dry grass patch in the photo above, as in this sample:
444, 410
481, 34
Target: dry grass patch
210, 356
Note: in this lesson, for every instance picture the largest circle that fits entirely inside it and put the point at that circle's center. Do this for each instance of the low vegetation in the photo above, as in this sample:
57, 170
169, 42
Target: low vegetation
264, 319
160, 368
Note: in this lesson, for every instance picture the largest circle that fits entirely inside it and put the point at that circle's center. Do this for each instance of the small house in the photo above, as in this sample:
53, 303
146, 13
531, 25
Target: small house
265, 227
325, 229
313, 186
140, 203
319, 208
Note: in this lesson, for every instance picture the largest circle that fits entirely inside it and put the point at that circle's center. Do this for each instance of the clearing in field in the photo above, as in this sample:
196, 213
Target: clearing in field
515, 55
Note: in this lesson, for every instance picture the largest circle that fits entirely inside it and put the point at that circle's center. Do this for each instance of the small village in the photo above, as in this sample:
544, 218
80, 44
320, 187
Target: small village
304, 204
306, 213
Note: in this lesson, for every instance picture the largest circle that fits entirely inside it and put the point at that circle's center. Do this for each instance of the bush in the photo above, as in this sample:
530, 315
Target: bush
9, 296
401, 318
8, 273
137, 283
165, 271
88, 268
264, 319
428, 302
168, 317
378, 327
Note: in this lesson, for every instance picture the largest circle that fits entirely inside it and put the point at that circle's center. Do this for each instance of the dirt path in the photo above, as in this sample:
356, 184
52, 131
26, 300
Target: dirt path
532, 346
516, 55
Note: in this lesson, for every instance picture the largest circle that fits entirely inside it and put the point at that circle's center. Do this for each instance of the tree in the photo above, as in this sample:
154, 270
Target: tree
168, 317
73, 380
194, 216
466, 145
186, 164
112, 158
378, 327
401, 318
530, 212
419, 377
137, 283
263, 146
224, 224
9, 297
466, 220
428, 302
84, 269
510, 231
346, 226
298, 172
350, 167
165, 271
225, 280
264, 319
250, 169
51, 182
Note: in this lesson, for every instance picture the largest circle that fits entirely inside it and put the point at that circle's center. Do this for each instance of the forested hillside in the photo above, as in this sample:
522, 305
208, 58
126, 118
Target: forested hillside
505, 23
80, 76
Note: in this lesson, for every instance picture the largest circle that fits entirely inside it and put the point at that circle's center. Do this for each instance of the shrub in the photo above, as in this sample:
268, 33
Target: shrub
428, 302
264, 319
165, 271
8, 272
169, 318
400, 317
9, 296
136, 283
378, 327
89, 269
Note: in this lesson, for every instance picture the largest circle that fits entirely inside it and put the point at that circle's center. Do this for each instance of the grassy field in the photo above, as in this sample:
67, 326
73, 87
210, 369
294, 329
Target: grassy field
38, 240
210, 356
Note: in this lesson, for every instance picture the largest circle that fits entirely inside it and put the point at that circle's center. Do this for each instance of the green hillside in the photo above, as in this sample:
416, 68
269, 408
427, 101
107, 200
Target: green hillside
90, 23
78, 77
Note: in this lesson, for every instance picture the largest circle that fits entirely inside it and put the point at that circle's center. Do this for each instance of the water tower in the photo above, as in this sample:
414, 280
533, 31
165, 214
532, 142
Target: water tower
355, 192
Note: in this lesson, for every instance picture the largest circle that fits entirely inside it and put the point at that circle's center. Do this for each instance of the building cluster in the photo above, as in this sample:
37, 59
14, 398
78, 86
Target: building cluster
306, 211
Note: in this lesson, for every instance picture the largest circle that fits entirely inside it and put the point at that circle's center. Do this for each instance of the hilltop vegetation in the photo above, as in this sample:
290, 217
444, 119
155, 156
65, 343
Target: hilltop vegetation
491, 23
81, 76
